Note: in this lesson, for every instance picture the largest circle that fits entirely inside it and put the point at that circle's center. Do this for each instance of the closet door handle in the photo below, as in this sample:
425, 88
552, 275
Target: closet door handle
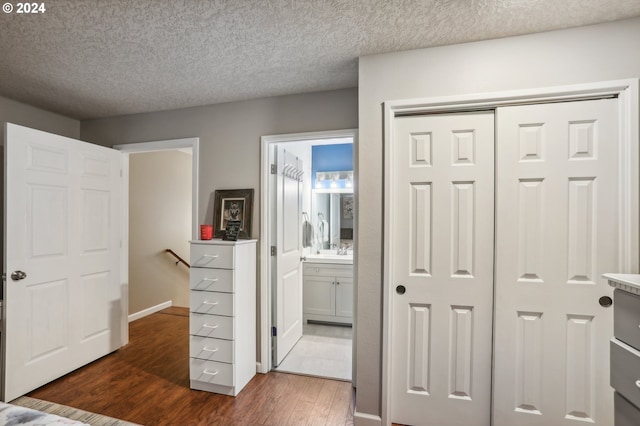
605, 301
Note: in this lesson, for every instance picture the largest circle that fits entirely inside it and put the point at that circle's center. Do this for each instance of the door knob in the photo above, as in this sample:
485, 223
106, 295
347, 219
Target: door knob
401, 289
18, 275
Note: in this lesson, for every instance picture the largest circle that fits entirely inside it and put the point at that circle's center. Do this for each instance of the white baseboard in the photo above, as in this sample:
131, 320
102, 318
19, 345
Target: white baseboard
143, 313
260, 369
363, 419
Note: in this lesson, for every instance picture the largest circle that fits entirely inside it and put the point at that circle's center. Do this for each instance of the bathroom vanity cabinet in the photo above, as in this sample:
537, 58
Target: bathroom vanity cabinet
328, 293
222, 320
625, 348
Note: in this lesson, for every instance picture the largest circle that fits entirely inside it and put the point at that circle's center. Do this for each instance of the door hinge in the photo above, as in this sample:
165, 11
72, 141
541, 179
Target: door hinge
273, 169
273, 250
274, 331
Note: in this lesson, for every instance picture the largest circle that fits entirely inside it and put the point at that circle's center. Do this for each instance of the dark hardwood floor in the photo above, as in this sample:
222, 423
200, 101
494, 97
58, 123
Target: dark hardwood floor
147, 382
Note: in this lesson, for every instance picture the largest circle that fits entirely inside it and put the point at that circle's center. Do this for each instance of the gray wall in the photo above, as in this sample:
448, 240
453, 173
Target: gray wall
580, 55
26, 115
230, 135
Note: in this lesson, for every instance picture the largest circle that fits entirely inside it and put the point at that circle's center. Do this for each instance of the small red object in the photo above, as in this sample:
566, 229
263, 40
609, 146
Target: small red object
206, 232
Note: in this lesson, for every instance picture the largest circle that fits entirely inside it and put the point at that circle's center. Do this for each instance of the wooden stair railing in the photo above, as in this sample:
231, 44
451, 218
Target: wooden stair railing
180, 260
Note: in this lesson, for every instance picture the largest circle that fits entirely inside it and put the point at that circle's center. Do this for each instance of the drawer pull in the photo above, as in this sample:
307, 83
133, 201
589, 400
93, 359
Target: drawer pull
210, 373
211, 280
210, 256
638, 383
209, 350
213, 327
206, 302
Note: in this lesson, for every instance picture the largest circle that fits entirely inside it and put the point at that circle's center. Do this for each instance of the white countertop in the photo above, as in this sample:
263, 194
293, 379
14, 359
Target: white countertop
219, 241
342, 259
626, 282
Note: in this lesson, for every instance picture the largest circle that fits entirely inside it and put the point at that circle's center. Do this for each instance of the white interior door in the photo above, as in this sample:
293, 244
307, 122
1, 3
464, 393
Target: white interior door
288, 270
442, 199
557, 232
62, 229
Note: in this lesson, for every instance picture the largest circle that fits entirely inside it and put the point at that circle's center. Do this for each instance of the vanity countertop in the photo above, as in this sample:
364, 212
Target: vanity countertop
626, 282
342, 259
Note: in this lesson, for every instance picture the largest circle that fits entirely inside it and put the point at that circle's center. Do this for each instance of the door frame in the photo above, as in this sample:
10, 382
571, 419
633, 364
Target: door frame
266, 217
141, 147
627, 92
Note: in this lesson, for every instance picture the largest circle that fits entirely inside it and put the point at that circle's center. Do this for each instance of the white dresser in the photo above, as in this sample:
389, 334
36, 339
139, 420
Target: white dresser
222, 322
625, 348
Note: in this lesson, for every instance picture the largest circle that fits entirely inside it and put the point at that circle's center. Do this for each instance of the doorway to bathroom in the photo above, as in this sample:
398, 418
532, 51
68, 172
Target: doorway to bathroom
307, 286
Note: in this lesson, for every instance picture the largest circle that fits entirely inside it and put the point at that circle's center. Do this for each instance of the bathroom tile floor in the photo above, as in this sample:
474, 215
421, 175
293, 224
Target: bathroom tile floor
323, 351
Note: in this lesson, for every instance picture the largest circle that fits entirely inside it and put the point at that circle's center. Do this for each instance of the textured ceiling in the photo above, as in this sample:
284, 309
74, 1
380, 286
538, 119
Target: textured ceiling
89, 59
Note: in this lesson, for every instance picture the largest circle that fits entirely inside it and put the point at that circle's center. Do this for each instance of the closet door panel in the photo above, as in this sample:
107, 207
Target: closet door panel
556, 234
442, 255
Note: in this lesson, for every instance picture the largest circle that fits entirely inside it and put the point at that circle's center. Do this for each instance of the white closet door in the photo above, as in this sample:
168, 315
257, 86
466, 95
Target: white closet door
557, 227
62, 229
442, 254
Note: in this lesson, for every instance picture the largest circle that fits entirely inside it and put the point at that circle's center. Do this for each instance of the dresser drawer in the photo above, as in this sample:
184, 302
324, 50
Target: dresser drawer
625, 371
626, 318
625, 412
211, 302
212, 256
218, 373
211, 326
211, 349
211, 279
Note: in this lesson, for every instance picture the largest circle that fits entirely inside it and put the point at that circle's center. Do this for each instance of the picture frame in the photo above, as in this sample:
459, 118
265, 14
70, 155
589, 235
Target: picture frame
233, 204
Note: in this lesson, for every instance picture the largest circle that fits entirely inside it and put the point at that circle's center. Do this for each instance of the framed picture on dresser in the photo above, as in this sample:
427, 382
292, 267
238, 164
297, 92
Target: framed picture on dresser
233, 205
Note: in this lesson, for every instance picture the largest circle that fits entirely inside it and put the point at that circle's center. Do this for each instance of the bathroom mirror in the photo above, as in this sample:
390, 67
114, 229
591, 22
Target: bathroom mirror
332, 218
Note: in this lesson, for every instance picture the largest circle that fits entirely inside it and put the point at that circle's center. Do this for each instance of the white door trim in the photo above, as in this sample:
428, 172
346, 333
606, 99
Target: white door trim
628, 95
133, 148
266, 143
